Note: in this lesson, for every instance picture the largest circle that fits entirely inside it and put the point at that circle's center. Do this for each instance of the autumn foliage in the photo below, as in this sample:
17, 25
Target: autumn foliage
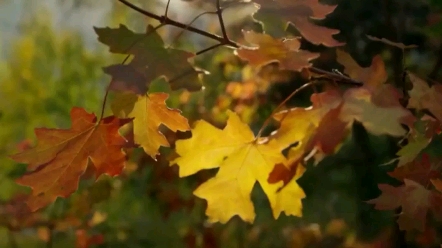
142, 120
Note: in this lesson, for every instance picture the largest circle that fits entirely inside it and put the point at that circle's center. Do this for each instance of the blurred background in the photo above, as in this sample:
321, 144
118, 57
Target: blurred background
51, 61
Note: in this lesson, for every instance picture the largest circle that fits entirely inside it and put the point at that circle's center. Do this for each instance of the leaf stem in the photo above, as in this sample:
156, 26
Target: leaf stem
269, 118
167, 8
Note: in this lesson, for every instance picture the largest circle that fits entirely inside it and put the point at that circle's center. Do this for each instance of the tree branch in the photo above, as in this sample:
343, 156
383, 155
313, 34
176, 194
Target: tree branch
167, 21
225, 41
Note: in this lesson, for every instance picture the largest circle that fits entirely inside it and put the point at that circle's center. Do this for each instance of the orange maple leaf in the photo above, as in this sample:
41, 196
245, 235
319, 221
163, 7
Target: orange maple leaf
268, 49
299, 13
330, 132
372, 76
316, 129
320, 129
375, 104
62, 155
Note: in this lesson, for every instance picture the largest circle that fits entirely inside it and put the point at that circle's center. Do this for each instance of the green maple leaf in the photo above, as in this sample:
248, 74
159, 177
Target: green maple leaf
151, 60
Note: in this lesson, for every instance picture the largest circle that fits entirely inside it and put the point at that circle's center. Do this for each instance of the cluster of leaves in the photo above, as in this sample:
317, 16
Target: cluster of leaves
96, 145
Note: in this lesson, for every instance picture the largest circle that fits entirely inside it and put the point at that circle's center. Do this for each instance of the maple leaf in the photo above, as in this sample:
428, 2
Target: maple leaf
284, 51
151, 60
372, 76
243, 161
411, 150
320, 129
316, 129
375, 104
149, 112
313, 125
418, 93
298, 13
297, 127
325, 124
414, 199
61, 156
437, 183
429, 126
330, 132
360, 105
420, 170
422, 96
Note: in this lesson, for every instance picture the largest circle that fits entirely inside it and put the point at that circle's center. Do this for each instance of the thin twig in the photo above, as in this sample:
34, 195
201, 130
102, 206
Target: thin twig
103, 106
219, 12
188, 25
269, 118
229, 43
335, 76
208, 49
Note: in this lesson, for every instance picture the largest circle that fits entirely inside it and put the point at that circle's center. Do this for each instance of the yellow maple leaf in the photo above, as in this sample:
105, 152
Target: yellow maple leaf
149, 112
243, 161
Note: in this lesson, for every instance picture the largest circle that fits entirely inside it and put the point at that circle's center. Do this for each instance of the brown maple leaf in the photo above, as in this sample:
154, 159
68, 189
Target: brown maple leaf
319, 130
378, 116
151, 60
298, 13
420, 170
422, 96
330, 132
414, 199
372, 76
268, 49
62, 155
